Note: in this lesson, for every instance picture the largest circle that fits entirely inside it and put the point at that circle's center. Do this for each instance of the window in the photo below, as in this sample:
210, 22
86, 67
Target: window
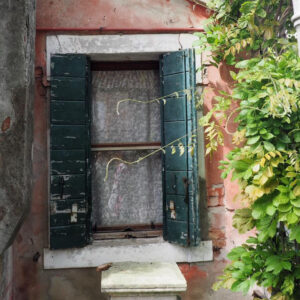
71, 204
129, 202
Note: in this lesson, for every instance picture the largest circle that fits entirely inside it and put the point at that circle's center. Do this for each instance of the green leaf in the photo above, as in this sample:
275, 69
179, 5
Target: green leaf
252, 240
297, 136
241, 286
240, 165
296, 211
285, 207
242, 64
276, 264
292, 218
296, 202
267, 136
269, 146
261, 13
271, 210
282, 198
295, 233
284, 139
267, 227
259, 207
253, 140
236, 253
233, 75
288, 285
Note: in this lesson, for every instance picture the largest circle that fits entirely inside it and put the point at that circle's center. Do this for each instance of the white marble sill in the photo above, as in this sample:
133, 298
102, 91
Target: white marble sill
143, 279
138, 250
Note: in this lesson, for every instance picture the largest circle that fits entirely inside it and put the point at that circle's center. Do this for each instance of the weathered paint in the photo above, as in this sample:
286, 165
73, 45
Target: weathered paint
17, 25
31, 281
120, 14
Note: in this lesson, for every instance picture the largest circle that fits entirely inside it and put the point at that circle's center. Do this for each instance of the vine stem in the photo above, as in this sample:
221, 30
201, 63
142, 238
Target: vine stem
176, 94
161, 149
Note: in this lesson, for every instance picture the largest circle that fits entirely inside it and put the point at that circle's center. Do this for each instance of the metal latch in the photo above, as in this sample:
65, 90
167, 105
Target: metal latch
74, 213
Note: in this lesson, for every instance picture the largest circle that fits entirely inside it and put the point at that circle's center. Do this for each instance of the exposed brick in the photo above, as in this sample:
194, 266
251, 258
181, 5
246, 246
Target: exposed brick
216, 217
216, 190
219, 244
216, 234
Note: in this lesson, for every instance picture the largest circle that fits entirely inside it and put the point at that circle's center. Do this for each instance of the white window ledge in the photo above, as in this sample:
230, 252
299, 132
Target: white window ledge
139, 250
123, 47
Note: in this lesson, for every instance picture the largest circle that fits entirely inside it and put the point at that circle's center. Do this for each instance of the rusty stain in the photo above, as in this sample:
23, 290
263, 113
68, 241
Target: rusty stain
5, 124
192, 272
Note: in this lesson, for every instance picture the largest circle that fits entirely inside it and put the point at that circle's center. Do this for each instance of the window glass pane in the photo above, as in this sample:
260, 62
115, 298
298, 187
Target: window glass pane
132, 194
137, 122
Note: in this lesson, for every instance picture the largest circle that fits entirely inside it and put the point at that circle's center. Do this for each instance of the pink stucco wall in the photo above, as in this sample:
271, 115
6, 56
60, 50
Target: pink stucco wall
99, 17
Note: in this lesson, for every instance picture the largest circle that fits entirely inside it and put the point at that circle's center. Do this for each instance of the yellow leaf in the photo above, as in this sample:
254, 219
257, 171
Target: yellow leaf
250, 41
272, 154
227, 52
269, 172
262, 162
173, 150
263, 179
268, 34
267, 156
296, 191
238, 47
232, 50
254, 192
181, 149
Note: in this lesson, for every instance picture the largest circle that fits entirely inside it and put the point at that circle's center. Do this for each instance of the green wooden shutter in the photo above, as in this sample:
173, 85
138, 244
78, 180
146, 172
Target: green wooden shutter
180, 175
70, 184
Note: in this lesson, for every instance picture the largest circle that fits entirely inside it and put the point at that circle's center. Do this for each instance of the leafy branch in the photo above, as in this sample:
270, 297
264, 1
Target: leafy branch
267, 162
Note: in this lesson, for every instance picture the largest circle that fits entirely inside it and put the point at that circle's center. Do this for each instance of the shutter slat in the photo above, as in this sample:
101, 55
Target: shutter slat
67, 112
68, 186
67, 162
175, 109
73, 66
181, 216
64, 88
63, 237
69, 151
68, 136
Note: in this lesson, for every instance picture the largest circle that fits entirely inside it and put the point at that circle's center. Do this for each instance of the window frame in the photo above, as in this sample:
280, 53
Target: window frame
134, 47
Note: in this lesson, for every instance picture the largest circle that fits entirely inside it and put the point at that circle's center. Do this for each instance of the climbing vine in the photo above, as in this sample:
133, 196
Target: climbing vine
256, 39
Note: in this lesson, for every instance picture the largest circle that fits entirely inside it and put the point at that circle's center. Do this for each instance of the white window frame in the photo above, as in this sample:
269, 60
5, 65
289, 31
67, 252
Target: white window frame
123, 48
